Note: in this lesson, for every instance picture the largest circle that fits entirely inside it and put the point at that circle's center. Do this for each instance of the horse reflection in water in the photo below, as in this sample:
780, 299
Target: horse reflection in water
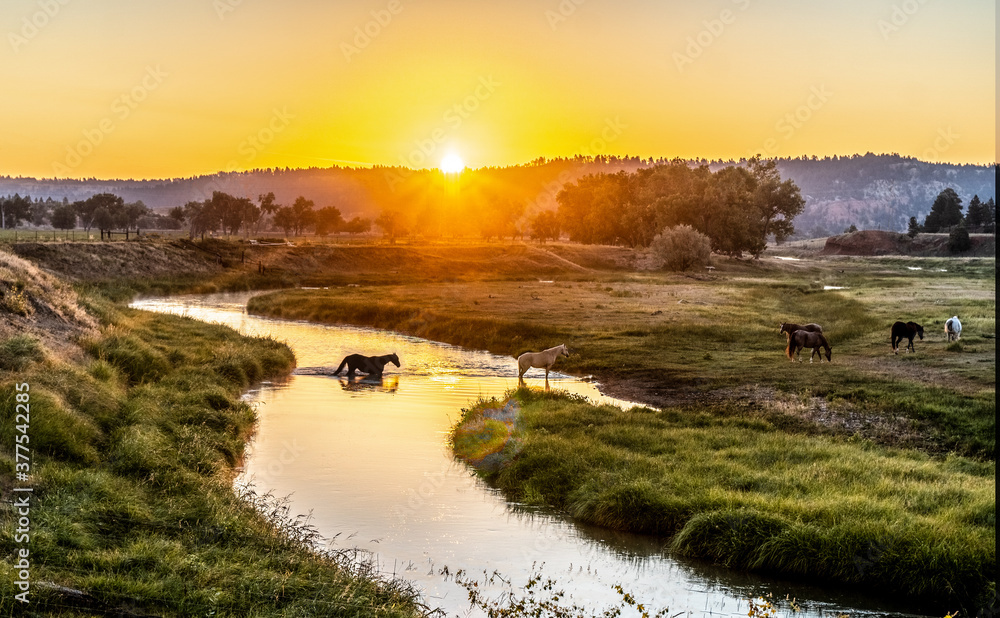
363, 384
360, 383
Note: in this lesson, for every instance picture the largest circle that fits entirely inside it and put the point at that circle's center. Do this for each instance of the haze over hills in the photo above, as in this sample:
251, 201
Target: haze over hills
868, 191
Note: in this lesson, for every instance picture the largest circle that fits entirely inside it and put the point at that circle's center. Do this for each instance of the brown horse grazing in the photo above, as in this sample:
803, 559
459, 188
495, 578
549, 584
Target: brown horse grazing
788, 328
908, 331
807, 339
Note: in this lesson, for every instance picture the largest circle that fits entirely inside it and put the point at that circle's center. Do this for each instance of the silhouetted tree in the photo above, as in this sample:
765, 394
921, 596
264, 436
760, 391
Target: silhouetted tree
978, 215
328, 219
303, 215
914, 228
945, 212
13, 210
358, 225
391, 222
284, 218
545, 226
64, 217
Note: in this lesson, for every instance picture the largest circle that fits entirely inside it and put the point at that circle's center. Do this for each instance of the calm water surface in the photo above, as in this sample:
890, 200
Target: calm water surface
371, 465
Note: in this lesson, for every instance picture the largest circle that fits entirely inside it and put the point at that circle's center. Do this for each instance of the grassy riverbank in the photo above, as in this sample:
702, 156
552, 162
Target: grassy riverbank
134, 435
739, 491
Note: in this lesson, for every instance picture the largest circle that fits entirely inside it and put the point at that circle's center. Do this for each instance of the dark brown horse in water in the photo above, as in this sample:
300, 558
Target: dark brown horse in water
788, 328
807, 339
908, 331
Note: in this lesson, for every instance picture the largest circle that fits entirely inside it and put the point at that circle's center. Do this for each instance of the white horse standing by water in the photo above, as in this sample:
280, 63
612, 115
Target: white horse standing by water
545, 358
953, 329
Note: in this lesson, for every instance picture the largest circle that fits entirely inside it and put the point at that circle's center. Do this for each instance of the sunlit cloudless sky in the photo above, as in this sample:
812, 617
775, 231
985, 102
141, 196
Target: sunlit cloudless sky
157, 89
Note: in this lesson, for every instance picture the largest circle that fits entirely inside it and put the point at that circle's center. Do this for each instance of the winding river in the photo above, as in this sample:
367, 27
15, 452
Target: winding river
370, 464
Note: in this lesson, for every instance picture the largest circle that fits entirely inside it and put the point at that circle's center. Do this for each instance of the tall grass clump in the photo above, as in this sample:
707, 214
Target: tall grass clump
18, 352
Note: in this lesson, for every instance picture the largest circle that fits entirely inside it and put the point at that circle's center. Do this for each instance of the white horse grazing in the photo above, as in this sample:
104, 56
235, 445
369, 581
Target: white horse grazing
953, 329
545, 358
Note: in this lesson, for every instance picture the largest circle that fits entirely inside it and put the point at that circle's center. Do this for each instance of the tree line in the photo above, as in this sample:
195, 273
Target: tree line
739, 208
103, 211
240, 215
946, 216
222, 212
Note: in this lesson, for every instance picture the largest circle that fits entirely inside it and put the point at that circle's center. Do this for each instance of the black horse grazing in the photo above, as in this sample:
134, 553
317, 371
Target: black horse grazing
807, 339
372, 365
908, 331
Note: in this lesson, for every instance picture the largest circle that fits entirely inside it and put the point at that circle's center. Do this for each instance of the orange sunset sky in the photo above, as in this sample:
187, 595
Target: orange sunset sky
158, 88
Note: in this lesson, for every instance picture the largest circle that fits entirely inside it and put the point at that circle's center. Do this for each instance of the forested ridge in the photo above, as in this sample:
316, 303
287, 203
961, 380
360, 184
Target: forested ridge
867, 191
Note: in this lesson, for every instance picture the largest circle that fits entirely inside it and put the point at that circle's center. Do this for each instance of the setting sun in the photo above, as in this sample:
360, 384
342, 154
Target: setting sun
452, 164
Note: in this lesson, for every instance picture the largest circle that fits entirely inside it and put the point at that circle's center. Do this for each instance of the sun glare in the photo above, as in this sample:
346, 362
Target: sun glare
452, 164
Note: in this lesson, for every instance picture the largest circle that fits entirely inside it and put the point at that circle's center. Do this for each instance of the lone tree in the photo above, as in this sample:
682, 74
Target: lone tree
946, 212
913, 229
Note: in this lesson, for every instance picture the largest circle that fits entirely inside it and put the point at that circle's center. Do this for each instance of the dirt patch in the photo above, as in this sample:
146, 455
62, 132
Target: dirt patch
814, 415
35, 303
89, 261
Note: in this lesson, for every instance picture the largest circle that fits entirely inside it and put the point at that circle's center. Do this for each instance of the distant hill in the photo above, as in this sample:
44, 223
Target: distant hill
878, 191
868, 191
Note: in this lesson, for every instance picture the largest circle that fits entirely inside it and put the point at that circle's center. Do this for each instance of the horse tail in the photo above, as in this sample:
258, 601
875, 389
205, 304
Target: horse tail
342, 363
788, 350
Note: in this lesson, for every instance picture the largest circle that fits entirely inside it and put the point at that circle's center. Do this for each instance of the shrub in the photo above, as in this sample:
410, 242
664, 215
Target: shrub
15, 300
682, 248
958, 240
